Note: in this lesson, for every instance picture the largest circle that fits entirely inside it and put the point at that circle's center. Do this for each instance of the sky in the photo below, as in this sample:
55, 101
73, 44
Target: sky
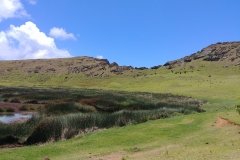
130, 32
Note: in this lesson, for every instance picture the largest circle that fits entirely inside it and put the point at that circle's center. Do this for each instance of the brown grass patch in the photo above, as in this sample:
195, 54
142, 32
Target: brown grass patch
90, 101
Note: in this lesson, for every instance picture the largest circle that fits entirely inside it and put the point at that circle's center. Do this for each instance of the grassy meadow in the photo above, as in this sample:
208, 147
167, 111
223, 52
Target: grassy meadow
192, 136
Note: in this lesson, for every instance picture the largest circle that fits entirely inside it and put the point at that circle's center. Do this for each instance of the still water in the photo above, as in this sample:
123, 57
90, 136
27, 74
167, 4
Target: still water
6, 118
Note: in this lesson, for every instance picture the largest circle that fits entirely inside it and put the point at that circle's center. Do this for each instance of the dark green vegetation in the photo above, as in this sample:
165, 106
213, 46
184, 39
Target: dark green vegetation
238, 108
7, 109
70, 112
27, 108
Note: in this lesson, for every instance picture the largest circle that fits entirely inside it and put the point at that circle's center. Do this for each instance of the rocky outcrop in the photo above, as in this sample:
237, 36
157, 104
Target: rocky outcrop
211, 57
156, 67
114, 64
180, 62
170, 63
140, 68
102, 61
74, 70
214, 52
120, 69
50, 70
187, 59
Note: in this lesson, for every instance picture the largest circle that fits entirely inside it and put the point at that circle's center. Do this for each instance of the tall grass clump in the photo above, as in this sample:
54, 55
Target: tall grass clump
18, 132
11, 131
55, 128
65, 108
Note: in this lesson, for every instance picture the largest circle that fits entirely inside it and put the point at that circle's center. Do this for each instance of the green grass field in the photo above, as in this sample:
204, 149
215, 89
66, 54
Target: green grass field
183, 137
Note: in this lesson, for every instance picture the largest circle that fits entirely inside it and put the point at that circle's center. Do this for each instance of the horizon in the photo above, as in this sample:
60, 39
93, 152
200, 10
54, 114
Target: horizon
131, 33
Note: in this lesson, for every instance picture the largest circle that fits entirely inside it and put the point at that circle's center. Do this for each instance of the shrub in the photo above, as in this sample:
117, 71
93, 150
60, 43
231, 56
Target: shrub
34, 101
238, 108
8, 95
23, 108
1, 110
27, 108
17, 130
10, 109
15, 100
8, 140
32, 108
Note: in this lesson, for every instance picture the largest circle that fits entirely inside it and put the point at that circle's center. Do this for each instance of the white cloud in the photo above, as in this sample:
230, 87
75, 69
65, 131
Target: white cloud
99, 57
27, 42
11, 9
61, 34
32, 1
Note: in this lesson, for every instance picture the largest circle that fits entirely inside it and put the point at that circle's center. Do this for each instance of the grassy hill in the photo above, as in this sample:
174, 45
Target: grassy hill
216, 59
207, 75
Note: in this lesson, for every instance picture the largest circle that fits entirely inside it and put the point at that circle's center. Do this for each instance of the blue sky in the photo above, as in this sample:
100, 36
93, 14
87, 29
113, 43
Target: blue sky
129, 32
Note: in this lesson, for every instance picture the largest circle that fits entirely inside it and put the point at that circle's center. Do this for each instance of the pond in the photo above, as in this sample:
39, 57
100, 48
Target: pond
6, 118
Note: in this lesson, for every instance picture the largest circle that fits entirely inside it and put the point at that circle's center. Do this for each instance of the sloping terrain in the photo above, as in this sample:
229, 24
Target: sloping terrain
85, 66
88, 72
211, 74
227, 54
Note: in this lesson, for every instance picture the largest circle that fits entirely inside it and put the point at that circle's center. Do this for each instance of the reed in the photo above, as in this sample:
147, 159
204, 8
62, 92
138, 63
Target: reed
55, 128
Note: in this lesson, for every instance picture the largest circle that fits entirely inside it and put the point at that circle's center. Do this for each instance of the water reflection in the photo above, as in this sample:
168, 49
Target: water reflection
6, 118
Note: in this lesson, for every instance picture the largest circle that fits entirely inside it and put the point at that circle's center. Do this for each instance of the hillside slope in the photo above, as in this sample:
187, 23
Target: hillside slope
217, 59
224, 54
85, 66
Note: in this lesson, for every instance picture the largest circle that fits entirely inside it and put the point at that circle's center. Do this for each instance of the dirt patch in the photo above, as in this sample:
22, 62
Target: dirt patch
224, 122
